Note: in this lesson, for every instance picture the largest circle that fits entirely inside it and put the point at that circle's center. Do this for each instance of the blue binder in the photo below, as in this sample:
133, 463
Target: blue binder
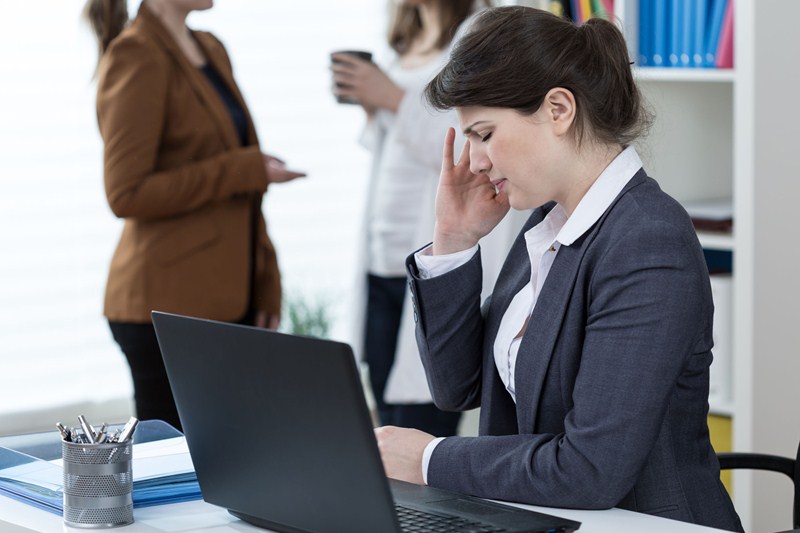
660, 32
645, 57
716, 15
675, 32
687, 31
699, 37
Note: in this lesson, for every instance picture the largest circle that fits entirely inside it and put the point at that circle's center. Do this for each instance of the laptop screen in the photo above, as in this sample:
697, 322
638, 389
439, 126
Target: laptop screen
277, 425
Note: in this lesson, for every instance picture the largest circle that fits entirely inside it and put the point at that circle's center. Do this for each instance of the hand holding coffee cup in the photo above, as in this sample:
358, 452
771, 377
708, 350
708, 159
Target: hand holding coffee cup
357, 80
341, 58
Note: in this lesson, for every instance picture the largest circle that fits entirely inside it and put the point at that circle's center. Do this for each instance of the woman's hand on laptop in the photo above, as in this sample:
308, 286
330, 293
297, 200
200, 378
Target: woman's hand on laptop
401, 452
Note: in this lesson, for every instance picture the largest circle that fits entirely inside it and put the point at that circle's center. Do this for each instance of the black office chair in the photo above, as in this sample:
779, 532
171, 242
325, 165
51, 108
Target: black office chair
773, 463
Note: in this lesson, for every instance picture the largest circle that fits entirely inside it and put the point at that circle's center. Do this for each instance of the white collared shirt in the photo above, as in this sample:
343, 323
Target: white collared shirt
543, 242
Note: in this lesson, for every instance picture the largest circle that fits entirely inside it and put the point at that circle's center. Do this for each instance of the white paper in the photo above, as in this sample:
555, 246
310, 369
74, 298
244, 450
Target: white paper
158, 458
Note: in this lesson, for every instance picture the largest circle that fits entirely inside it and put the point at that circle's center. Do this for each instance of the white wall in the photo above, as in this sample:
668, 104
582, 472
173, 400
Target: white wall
776, 287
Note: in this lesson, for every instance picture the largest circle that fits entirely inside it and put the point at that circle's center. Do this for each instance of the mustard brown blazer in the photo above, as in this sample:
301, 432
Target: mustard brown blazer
176, 172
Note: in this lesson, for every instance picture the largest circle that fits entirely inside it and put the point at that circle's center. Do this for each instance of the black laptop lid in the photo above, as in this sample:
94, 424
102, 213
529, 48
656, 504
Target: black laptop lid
265, 417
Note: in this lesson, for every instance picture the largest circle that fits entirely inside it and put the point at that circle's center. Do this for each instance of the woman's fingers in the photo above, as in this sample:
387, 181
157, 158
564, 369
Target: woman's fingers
354, 69
282, 176
448, 164
277, 160
343, 67
463, 159
447, 151
344, 78
349, 80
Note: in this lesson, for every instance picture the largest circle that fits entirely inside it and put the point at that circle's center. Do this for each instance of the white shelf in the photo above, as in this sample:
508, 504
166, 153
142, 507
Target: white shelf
720, 408
716, 241
703, 75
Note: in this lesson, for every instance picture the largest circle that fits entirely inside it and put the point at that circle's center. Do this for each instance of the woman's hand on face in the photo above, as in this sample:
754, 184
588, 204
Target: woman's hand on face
401, 452
277, 171
467, 205
364, 82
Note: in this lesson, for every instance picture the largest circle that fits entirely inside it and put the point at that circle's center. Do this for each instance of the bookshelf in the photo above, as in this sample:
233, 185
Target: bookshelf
716, 241
736, 133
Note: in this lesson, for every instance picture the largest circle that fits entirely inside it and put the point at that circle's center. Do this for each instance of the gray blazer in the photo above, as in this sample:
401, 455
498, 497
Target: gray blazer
611, 376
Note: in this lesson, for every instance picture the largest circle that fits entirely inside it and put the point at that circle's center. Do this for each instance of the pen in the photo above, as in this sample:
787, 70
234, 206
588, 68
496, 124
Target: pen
101, 435
127, 431
88, 430
64, 432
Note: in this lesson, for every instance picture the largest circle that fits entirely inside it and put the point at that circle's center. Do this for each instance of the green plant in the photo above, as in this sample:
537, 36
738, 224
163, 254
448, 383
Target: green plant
303, 315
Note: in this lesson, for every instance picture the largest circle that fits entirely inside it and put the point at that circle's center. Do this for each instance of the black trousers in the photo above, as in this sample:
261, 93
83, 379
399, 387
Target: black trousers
385, 298
151, 390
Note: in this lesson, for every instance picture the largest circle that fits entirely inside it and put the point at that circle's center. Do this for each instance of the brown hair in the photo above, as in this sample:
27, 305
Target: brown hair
514, 55
406, 22
107, 19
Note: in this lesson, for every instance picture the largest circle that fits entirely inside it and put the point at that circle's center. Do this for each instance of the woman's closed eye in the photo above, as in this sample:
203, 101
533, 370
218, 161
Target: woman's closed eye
486, 137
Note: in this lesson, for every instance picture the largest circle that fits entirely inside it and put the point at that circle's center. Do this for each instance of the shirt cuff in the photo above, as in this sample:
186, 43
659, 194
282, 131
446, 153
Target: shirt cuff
426, 457
430, 266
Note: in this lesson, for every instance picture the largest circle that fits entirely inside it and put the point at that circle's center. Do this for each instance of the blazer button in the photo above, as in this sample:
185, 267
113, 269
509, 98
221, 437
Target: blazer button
416, 318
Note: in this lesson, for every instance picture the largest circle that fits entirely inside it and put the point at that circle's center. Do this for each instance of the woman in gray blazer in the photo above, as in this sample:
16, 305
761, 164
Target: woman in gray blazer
590, 360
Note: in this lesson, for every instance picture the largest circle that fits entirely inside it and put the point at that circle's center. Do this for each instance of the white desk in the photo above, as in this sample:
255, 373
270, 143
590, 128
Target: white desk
16, 517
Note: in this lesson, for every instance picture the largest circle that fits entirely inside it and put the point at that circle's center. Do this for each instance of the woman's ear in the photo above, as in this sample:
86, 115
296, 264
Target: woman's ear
560, 109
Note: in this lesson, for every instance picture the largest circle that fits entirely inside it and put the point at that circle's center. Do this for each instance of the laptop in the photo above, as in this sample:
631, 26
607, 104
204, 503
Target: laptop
280, 435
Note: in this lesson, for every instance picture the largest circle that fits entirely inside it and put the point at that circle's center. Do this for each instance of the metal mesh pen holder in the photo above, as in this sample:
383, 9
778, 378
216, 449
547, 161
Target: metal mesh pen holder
98, 484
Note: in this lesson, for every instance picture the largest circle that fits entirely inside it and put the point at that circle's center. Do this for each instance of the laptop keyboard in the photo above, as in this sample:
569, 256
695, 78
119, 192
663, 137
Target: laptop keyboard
413, 521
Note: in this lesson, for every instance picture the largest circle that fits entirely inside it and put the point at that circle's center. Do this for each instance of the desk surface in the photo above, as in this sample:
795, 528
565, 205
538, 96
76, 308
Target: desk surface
17, 517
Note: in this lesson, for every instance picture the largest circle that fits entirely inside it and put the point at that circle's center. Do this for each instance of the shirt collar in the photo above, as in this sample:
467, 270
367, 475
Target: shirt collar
600, 195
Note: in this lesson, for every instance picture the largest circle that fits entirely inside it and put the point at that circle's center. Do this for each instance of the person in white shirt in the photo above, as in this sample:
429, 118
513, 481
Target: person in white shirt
590, 360
404, 136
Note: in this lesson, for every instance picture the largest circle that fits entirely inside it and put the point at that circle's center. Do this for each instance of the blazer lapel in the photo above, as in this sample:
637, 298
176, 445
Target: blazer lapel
222, 67
201, 86
498, 417
538, 342
514, 274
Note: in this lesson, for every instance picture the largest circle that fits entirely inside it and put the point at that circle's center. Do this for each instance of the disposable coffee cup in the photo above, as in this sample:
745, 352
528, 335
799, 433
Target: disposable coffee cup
361, 54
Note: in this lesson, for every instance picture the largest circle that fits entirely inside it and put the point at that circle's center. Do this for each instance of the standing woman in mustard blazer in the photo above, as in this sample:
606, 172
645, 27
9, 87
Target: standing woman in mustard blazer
183, 168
